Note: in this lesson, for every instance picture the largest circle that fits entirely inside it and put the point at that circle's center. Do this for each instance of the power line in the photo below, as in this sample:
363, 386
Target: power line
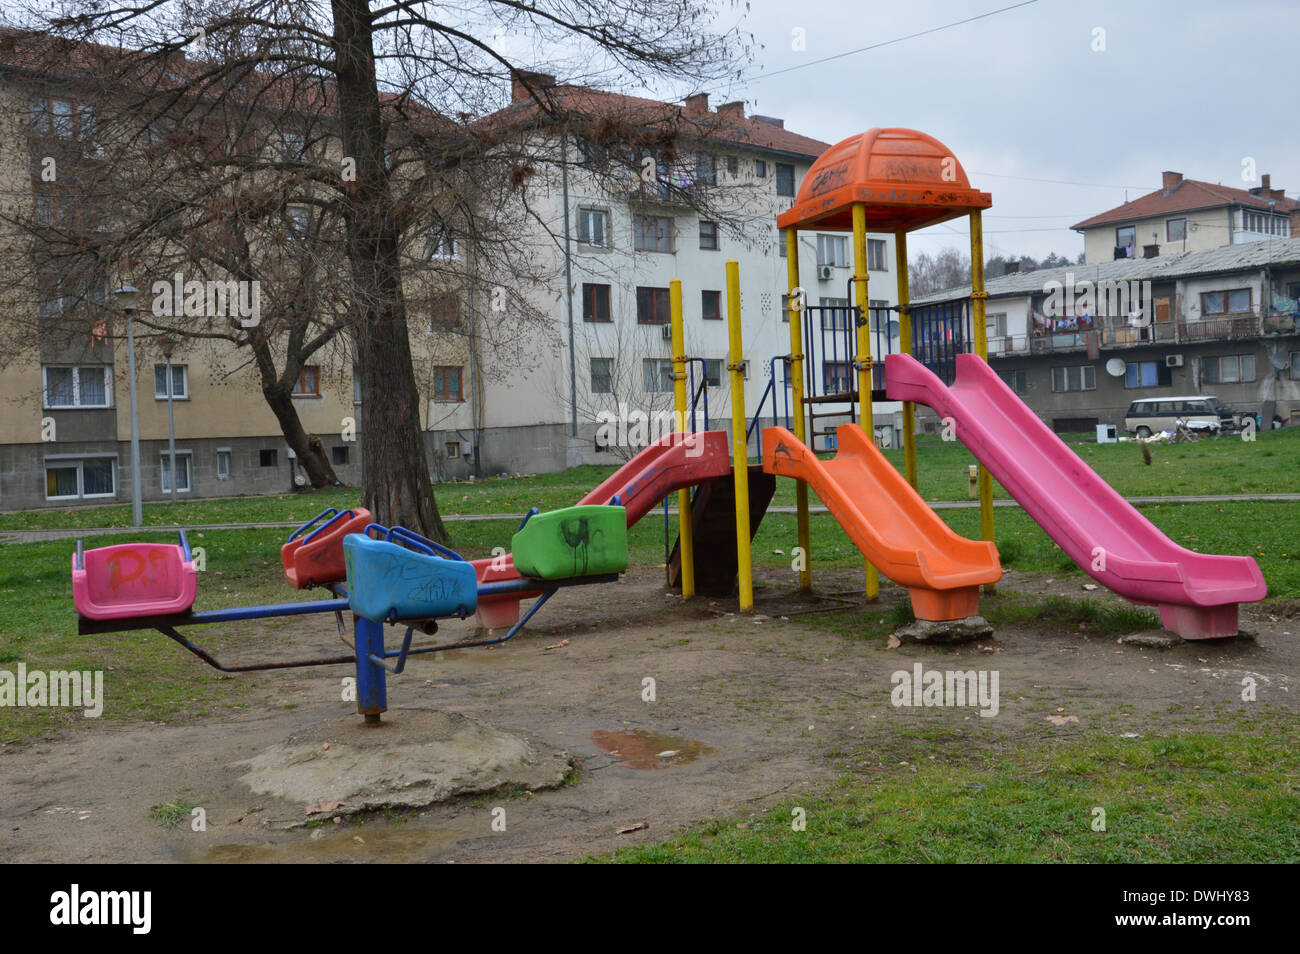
1091, 185
900, 39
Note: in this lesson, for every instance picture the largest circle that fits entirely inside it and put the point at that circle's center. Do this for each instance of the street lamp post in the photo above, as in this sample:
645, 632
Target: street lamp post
127, 298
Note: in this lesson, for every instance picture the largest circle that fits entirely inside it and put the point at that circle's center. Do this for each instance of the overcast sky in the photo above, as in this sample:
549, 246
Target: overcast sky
1195, 86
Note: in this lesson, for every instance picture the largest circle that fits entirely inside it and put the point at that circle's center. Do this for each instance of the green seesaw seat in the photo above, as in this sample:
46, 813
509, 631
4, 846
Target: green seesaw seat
587, 540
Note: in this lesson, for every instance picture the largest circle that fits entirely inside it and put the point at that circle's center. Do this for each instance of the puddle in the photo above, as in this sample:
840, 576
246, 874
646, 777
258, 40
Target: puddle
643, 749
343, 843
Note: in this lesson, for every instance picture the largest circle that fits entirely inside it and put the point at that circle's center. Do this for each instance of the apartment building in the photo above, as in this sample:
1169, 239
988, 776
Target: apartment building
1079, 344
608, 252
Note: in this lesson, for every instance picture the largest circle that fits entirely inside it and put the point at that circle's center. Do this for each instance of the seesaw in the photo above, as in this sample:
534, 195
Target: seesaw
381, 575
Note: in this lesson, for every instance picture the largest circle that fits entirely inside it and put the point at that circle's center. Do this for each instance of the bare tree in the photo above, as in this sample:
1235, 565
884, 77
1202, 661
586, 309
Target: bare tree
402, 88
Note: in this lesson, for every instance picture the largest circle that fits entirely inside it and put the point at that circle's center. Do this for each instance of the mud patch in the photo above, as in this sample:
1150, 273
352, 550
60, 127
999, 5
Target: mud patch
418, 757
643, 749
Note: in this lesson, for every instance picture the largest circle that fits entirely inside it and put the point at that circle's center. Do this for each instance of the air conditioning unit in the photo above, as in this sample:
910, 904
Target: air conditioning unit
1173, 361
824, 272
667, 332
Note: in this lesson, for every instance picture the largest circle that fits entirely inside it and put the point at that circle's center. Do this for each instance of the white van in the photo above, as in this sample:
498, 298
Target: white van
1202, 412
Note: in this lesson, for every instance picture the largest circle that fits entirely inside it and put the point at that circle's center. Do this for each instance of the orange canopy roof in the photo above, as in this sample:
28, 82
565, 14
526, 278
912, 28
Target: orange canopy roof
907, 180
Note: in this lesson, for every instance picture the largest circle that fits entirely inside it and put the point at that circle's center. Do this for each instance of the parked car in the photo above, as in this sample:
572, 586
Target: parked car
1201, 412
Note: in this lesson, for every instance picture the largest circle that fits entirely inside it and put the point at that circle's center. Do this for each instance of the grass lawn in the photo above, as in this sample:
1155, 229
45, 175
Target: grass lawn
1192, 798
1270, 464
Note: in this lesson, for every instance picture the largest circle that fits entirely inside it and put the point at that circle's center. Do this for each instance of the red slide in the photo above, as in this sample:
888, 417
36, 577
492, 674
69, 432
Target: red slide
1197, 593
670, 463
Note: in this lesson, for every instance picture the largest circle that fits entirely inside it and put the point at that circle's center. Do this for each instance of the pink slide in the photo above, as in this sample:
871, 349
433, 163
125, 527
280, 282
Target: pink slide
670, 463
1197, 593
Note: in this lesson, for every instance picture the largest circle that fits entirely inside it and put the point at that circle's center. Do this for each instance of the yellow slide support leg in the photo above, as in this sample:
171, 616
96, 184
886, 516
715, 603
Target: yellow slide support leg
739, 446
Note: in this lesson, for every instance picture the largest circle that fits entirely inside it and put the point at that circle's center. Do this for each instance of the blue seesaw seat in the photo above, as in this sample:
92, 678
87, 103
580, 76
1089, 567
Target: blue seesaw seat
394, 574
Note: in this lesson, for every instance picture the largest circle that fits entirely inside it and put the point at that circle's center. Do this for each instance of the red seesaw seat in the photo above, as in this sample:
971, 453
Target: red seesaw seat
133, 579
316, 558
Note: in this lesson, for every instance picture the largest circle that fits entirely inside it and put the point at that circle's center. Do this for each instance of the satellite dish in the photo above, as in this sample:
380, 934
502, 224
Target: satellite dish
1115, 367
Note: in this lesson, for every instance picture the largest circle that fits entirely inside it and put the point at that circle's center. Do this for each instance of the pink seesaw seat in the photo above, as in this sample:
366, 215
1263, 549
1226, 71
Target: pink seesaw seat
133, 579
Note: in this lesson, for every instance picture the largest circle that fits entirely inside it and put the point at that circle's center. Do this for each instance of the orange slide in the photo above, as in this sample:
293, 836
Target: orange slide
889, 522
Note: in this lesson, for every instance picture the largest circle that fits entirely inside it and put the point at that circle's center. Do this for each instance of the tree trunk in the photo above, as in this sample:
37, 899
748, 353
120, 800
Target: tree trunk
396, 488
311, 454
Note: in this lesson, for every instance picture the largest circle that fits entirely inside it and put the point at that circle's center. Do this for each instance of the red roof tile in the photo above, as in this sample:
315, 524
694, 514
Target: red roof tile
1187, 196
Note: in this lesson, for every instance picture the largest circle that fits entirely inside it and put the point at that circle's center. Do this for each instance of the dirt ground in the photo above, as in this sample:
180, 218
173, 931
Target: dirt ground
752, 713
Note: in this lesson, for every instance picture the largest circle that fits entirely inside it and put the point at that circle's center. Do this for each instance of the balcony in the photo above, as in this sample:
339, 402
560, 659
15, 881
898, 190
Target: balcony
1115, 332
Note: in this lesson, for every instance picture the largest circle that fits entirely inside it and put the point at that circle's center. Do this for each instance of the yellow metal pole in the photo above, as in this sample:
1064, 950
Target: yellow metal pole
796, 398
978, 298
685, 527
905, 346
863, 362
739, 445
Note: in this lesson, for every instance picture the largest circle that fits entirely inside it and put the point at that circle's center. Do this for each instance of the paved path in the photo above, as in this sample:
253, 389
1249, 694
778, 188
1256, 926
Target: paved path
36, 536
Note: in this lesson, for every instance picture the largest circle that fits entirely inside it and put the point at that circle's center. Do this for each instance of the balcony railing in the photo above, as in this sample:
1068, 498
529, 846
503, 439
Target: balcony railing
1117, 333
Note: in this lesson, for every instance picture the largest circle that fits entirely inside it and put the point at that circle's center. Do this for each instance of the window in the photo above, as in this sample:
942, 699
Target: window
180, 382
182, 472
439, 244
91, 477
651, 306
223, 465
996, 325
836, 315
595, 302
339, 456
593, 227
733, 165
1016, 381
785, 308
1234, 302
444, 312
1146, 374
1126, 236
1295, 365
602, 375
299, 217
780, 244
706, 170
446, 383
1176, 230
1231, 369
308, 382
1266, 224
711, 305
713, 372
876, 256
832, 250
62, 118
708, 235
652, 233
760, 168
452, 450
76, 387
784, 179
658, 375
267, 458
293, 146
1074, 379
837, 376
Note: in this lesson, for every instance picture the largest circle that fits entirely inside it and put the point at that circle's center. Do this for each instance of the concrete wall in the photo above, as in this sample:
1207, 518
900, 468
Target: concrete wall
1206, 229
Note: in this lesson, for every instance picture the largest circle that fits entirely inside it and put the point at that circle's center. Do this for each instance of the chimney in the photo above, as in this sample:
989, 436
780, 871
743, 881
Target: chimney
734, 111
698, 104
1170, 180
1295, 222
1011, 268
538, 81
1264, 182
770, 120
